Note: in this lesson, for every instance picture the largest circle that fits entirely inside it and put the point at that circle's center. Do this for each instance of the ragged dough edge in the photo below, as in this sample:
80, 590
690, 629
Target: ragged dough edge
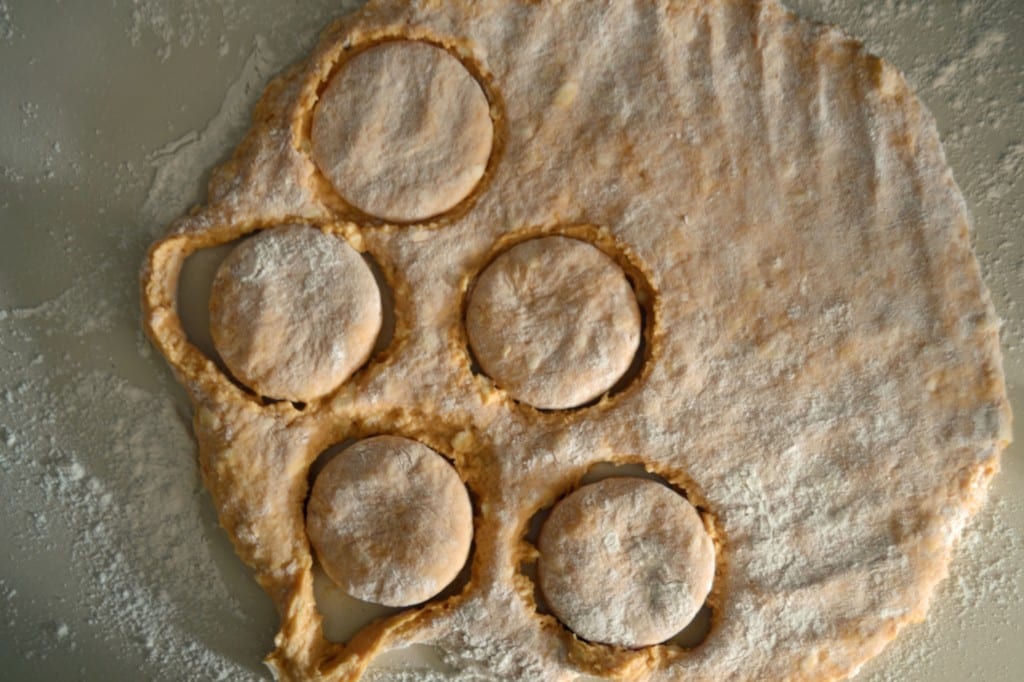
236, 207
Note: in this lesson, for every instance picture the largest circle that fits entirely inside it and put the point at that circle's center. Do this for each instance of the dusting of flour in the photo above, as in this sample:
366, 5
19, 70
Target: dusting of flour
109, 497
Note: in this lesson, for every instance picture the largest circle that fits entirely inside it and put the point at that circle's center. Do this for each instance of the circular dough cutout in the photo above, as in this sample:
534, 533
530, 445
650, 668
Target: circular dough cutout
390, 520
554, 322
403, 131
294, 312
625, 561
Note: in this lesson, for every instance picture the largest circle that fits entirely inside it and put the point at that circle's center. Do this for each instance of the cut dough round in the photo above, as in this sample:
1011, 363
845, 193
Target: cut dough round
625, 561
554, 322
294, 312
390, 520
403, 131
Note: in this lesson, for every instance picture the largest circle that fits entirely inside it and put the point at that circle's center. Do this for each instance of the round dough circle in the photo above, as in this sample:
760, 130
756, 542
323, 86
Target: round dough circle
554, 322
390, 520
403, 131
294, 312
625, 561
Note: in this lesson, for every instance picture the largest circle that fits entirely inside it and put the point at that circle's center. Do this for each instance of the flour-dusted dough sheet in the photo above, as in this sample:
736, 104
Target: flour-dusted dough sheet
821, 373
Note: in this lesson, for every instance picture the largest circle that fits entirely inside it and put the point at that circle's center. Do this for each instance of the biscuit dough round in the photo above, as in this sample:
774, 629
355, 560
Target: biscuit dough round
294, 312
554, 322
390, 520
625, 561
403, 131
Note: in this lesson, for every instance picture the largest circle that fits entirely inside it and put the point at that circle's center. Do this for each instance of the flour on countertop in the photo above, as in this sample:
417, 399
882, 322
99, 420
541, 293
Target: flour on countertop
172, 28
121, 503
986, 572
181, 166
7, 28
180, 24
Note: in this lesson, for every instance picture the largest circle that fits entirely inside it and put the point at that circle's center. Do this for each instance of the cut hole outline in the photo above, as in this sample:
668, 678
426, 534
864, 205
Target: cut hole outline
609, 657
194, 288
639, 280
316, 83
195, 283
457, 149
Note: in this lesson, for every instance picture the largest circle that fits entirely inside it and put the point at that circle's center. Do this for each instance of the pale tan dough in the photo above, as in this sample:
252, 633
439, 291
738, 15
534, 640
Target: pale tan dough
294, 311
625, 561
822, 373
390, 521
554, 322
403, 131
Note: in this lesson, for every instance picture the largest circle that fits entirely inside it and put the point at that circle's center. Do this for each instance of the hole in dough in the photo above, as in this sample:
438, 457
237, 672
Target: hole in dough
697, 631
391, 521
625, 562
414, 662
402, 131
603, 470
387, 300
343, 615
554, 322
194, 284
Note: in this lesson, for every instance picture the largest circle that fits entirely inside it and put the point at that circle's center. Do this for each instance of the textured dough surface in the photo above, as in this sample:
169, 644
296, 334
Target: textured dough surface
390, 521
402, 131
293, 312
554, 322
625, 561
822, 374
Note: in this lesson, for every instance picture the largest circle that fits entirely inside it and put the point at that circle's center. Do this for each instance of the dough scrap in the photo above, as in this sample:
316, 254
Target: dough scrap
823, 374
554, 322
403, 131
625, 561
390, 520
294, 312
